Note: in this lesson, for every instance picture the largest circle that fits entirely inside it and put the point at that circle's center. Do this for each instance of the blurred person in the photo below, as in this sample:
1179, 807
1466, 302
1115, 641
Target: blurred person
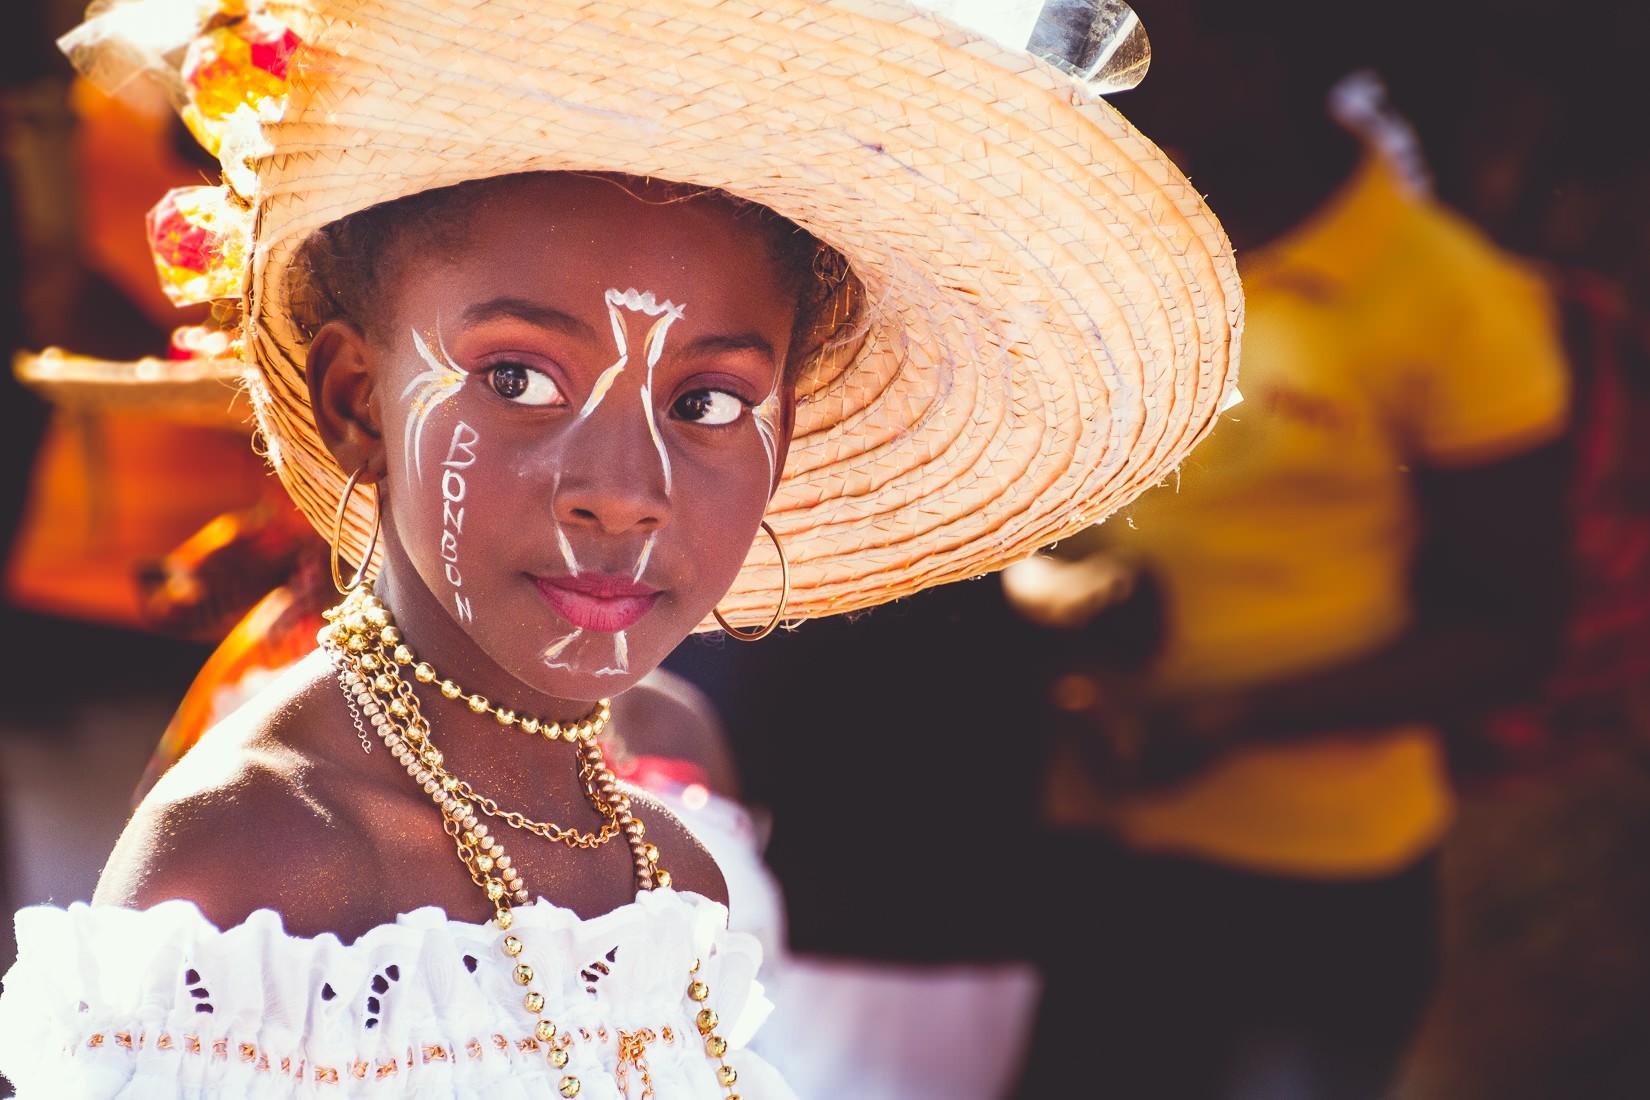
1249, 780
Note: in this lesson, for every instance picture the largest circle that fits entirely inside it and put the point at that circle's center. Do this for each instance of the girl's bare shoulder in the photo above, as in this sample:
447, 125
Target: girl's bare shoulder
255, 816
684, 855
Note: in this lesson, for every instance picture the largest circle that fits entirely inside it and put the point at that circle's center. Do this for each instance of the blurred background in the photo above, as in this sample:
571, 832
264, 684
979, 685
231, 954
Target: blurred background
141, 529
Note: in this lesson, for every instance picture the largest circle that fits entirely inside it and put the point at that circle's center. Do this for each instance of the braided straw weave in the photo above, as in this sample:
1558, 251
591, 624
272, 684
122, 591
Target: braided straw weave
1054, 311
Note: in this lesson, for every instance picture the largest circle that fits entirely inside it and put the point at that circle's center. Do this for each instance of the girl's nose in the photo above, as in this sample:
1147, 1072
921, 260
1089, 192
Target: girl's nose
614, 469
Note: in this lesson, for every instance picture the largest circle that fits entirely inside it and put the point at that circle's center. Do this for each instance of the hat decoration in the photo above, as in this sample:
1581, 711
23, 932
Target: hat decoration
226, 65
1052, 313
199, 237
238, 63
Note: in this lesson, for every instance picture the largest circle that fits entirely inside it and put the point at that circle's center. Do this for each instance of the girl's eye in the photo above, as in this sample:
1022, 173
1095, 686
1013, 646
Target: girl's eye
713, 407
524, 385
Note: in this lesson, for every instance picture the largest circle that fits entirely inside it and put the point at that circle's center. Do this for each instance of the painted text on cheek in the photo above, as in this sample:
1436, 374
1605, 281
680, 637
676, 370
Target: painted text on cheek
461, 455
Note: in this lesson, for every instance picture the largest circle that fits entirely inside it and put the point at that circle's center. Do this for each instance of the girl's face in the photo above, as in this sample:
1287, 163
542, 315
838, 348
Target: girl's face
584, 416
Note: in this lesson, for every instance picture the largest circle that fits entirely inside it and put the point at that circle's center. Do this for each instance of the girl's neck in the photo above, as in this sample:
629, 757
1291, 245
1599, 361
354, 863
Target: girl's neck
476, 744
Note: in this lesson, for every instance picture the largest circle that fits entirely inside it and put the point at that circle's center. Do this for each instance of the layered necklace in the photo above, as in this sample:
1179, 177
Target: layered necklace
373, 664
369, 653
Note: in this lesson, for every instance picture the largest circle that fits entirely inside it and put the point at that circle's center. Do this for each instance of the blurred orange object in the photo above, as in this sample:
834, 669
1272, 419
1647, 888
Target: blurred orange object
125, 156
112, 489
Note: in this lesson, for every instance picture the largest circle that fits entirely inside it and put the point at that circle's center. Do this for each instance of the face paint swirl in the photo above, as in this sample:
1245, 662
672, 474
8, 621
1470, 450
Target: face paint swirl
434, 387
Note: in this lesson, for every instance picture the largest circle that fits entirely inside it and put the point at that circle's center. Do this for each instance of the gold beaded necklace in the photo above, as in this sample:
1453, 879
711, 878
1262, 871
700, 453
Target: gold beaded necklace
368, 653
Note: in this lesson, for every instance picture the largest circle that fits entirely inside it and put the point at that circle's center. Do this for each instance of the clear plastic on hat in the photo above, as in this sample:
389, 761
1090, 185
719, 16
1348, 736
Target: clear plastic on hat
1100, 42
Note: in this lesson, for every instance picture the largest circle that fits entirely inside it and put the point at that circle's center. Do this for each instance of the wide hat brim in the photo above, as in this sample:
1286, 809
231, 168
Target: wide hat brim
1054, 313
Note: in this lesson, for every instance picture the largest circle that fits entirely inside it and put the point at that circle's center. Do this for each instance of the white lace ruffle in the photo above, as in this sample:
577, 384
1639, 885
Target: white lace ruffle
110, 1002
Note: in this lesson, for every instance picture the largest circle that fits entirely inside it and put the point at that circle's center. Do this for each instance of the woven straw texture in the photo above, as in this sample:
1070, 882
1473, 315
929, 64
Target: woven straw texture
1054, 311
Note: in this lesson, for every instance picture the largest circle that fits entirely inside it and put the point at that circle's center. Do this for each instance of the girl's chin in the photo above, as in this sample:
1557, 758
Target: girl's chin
600, 684
584, 676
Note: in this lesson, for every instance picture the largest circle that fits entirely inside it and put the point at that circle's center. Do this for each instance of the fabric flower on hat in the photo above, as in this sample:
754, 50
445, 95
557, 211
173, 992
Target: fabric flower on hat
199, 237
239, 64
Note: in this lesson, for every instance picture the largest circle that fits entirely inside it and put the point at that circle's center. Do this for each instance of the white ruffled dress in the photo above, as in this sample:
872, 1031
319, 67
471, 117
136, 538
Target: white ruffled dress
159, 1003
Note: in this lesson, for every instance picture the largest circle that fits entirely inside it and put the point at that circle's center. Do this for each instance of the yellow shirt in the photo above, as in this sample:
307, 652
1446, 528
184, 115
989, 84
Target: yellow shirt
1383, 332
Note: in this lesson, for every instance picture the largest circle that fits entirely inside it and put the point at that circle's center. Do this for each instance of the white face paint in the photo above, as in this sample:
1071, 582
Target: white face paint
603, 383
766, 418
461, 455
426, 393
552, 656
642, 558
567, 551
562, 543
653, 345
621, 657
665, 313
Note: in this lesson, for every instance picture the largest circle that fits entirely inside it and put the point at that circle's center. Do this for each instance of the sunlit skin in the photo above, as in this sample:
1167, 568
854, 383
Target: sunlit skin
603, 529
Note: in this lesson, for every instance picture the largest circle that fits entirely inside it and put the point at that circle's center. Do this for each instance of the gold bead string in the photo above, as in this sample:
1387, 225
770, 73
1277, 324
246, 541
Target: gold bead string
375, 615
706, 1020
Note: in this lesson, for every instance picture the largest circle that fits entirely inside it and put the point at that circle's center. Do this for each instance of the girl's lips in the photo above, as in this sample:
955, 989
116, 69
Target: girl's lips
604, 604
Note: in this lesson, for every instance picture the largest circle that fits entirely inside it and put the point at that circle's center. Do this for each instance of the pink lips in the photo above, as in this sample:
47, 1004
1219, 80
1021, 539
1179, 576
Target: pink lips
597, 601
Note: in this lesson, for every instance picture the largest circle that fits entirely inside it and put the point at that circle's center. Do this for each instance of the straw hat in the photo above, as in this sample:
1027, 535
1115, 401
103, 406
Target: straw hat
1053, 312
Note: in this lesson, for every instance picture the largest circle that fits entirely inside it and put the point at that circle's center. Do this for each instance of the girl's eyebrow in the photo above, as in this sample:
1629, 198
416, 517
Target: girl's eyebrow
534, 313
734, 342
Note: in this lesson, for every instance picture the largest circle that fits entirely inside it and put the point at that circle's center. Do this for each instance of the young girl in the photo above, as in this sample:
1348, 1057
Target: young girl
910, 305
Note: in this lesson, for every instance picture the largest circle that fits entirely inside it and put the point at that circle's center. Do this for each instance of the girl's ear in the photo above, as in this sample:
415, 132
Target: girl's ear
342, 380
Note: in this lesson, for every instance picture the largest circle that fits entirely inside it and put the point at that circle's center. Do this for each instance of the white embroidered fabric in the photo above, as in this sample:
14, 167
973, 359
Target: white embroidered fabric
140, 1004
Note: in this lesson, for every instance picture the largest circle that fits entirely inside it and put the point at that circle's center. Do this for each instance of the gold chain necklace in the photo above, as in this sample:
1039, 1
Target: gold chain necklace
368, 653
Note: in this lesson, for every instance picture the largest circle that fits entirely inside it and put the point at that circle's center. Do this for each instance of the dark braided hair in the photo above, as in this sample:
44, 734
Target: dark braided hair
344, 265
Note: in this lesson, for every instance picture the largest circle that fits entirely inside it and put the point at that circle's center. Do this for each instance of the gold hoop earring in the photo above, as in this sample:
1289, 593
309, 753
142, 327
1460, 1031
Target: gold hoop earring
784, 595
338, 536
